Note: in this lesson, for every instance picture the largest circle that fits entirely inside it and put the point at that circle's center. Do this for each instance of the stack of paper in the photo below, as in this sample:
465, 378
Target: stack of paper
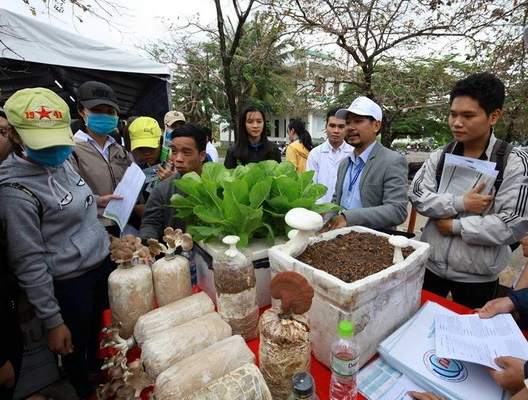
411, 350
461, 174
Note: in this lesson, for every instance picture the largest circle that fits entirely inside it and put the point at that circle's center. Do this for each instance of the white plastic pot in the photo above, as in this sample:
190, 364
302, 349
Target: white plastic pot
377, 304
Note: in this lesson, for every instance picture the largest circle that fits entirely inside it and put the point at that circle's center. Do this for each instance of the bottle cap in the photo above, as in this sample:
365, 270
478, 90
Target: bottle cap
302, 384
345, 329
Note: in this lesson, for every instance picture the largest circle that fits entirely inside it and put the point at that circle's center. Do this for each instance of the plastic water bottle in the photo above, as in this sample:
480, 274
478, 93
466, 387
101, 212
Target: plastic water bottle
345, 360
303, 387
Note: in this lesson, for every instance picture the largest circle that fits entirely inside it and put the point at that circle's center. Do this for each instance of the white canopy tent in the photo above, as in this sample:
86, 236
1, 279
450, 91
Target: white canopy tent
36, 54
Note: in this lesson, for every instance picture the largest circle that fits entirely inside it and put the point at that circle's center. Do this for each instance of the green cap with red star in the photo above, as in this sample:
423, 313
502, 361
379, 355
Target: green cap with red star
41, 118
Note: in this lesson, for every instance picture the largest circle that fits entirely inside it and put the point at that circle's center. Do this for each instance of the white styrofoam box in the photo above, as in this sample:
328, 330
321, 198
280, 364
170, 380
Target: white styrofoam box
377, 304
205, 252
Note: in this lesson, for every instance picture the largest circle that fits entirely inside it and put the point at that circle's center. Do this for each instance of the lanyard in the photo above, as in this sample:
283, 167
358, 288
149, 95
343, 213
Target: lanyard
354, 179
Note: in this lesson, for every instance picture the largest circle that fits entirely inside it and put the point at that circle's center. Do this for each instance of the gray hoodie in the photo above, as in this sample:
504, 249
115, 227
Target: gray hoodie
69, 240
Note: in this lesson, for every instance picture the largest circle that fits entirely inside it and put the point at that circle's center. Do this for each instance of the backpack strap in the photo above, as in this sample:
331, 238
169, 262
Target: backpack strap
499, 154
18, 186
448, 148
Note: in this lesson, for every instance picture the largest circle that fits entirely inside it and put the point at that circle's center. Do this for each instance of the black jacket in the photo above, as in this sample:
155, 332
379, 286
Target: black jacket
255, 154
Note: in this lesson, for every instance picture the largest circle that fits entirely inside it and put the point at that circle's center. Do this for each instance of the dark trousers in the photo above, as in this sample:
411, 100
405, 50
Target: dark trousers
11, 340
82, 300
472, 295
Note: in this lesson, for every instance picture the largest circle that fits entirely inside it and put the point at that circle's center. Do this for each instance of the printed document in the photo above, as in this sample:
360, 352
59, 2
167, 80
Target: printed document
379, 381
461, 174
411, 350
128, 188
471, 338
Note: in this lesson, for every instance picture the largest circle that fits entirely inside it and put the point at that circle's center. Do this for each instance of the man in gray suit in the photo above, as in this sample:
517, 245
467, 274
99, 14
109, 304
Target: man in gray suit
372, 183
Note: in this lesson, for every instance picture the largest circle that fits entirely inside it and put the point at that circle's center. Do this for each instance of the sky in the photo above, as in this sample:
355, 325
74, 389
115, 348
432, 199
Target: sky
135, 22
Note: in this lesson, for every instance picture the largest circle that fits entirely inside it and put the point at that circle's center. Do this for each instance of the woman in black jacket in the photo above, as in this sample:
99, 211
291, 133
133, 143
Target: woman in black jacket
252, 145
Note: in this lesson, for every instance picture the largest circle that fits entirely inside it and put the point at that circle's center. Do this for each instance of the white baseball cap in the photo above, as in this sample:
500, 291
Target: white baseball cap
361, 106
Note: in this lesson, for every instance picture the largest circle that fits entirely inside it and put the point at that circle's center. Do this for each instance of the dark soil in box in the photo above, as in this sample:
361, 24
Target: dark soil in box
352, 256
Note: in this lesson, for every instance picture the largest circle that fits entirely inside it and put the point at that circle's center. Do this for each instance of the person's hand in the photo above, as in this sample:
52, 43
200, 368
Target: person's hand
511, 377
339, 221
7, 374
104, 200
521, 395
164, 173
424, 396
502, 305
524, 244
476, 203
60, 340
444, 226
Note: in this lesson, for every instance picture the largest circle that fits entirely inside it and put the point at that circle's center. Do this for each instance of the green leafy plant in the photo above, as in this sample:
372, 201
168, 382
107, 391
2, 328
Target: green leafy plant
248, 201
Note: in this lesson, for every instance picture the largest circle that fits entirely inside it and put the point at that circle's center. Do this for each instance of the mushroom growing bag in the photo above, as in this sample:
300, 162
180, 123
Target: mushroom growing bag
191, 374
284, 333
236, 290
172, 279
131, 294
245, 382
166, 348
173, 314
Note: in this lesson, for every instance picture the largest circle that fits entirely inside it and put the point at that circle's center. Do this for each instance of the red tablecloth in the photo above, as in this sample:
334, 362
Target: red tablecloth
320, 373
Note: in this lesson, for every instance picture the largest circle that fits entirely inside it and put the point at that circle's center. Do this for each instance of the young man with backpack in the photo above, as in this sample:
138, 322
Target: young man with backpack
469, 235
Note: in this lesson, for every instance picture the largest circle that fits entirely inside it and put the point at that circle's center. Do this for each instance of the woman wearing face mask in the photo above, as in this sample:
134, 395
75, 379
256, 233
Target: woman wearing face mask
252, 144
97, 157
55, 246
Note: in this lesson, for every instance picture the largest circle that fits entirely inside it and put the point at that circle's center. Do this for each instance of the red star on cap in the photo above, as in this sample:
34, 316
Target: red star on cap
43, 113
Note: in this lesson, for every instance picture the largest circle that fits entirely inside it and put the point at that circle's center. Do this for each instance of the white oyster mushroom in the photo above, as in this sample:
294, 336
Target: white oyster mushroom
306, 222
231, 240
398, 242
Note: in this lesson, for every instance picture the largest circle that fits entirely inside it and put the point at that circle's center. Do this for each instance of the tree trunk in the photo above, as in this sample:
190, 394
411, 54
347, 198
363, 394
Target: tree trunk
228, 54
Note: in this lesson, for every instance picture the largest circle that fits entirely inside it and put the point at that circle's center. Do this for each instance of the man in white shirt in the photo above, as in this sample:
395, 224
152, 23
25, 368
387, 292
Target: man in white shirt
325, 158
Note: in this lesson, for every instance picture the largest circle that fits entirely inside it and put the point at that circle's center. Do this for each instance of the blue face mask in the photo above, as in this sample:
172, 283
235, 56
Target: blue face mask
50, 157
102, 124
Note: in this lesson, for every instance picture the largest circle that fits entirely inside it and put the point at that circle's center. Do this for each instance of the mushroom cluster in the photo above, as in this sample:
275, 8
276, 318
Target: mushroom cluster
125, 380
126, 249
173, 238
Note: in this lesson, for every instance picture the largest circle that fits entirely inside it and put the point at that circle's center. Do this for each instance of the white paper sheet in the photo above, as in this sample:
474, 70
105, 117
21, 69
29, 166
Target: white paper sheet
471, 338
400, 389
411, 350
461, 174
379, 381
128, 188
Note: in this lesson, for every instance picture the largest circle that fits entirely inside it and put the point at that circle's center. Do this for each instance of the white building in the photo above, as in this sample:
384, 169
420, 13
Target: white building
319, 87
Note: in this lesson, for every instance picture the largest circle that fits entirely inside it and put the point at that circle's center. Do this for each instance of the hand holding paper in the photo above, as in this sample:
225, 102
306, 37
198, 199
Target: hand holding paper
475, 202
471, 338
128, 190
511, 377
461, 174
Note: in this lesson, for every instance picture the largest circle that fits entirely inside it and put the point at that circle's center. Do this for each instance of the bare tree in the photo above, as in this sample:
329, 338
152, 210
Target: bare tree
368, 31
228, 49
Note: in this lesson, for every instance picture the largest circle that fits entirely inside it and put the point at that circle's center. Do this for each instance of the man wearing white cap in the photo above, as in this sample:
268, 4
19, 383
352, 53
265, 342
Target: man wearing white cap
372, 183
